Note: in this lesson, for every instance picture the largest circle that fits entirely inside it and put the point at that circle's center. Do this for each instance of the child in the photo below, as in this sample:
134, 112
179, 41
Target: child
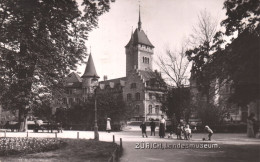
178, 132
143, 127
187, 132
208, 130
170, 135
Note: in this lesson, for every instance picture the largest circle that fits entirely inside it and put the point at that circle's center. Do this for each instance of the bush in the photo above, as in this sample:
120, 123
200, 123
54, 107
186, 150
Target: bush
13, 146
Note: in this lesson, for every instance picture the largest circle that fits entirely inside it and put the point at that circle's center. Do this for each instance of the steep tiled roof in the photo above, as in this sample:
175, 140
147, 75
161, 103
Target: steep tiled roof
73, 77
90, 70
73, 80
139, 37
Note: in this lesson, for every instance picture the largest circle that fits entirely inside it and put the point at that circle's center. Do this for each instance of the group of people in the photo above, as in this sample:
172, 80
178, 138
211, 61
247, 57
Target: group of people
182, 130
162, 128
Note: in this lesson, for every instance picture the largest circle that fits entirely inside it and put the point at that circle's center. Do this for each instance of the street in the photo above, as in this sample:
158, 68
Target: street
223, 147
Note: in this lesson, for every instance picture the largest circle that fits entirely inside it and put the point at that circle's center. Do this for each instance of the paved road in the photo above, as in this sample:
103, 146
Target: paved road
230, 147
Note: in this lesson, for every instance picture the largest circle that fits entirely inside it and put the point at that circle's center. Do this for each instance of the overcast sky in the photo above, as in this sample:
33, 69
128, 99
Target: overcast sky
166, 23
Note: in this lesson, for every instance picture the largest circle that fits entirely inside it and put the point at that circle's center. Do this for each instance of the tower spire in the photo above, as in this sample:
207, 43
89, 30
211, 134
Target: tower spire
139, 22
90, 70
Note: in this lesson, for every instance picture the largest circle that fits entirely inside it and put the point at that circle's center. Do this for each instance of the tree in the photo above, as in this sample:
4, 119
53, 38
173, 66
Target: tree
203, 79
240, 59
175, 67
112, 106
204, 30
177, 104
202, 44
235, 63
41, 41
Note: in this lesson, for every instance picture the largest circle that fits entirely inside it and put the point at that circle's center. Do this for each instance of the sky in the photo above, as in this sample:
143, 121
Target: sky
166, 23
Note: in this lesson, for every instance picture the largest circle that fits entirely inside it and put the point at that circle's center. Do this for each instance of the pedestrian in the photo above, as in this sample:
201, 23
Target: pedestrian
152, 125
208, 130
252, 127
162, 127
108, 128
59, 127
187, 132
143, 127
178, 132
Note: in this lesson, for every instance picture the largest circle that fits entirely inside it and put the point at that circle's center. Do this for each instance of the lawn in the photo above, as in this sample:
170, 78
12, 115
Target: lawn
71, 150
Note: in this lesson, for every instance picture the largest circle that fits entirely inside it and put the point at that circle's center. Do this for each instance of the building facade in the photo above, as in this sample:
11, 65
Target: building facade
142, 88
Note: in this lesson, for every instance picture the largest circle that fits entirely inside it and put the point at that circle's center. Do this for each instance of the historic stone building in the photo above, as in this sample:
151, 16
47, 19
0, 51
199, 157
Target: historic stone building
142, 88
77, 89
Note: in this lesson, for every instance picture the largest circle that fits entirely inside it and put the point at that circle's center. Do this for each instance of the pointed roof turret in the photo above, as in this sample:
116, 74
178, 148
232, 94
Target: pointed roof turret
139, 21
90, 70
139, 37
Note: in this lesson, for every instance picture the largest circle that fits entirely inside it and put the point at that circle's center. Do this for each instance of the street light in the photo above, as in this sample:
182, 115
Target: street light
95, 85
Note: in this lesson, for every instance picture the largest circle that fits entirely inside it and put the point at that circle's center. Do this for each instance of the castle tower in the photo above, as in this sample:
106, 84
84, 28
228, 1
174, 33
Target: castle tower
139, 50
89, 77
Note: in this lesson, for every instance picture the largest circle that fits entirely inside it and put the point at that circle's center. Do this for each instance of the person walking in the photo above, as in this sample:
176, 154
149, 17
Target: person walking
143, 127
252, 127
152, 125
108, 128
162, 127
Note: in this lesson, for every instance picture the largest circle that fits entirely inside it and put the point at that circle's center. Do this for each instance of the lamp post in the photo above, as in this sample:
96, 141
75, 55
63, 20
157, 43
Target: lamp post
95, 81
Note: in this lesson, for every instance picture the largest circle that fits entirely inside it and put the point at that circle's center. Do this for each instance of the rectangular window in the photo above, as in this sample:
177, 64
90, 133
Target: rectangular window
150, 96
133, 85
137, 96
64, 100
77, 100
128, 97
70, 100
137, 108
150, 109
157, 109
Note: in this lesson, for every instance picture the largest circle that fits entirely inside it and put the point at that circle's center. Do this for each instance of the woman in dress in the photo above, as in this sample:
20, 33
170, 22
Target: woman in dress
162, 127
108, 128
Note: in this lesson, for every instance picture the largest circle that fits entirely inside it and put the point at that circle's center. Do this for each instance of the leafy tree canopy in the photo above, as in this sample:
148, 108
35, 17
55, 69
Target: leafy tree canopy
238, 62
40, 42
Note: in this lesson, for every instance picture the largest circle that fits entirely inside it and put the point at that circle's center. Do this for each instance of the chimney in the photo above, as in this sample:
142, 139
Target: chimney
105, 77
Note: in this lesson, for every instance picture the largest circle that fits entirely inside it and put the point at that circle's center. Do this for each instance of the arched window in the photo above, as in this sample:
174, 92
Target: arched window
137, 96
150, 110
